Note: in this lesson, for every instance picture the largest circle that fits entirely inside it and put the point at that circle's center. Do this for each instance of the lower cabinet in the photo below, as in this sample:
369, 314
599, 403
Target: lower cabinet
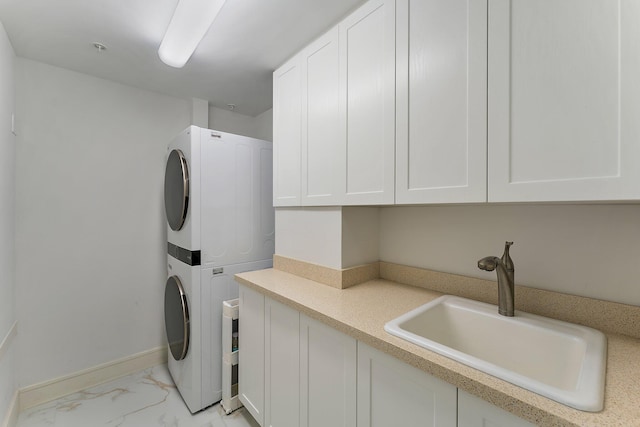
475, 412
392, 393
281, 365
295, 371
327, 376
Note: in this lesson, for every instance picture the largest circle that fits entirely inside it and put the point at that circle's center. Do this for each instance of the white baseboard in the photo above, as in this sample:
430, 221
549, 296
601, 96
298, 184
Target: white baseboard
11, 419
53, 389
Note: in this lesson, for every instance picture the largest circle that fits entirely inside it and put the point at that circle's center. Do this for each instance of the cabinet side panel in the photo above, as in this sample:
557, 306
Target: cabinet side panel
251, 352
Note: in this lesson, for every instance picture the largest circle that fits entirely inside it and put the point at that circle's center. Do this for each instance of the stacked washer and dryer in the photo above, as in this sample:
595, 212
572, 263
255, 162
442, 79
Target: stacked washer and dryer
218, 203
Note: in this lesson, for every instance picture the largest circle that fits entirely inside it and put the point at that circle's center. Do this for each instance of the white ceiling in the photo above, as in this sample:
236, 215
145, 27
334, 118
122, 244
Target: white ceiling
232, 65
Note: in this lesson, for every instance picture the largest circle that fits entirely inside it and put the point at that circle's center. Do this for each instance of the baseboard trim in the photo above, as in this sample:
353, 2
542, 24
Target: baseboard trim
53, 389
336, 278
11, 419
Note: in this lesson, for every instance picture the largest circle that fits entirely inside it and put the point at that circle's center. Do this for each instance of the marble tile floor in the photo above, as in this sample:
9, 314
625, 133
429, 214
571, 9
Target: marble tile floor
144, 399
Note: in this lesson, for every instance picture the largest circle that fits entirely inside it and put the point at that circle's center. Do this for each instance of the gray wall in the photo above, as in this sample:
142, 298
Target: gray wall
90, 237
260, 127
587, 250
7, 219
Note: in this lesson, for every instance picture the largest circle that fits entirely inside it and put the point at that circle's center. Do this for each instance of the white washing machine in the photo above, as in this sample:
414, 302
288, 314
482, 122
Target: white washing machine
218, 203
193, 313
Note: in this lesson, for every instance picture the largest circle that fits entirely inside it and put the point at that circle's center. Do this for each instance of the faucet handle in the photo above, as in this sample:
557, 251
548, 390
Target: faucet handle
506, 258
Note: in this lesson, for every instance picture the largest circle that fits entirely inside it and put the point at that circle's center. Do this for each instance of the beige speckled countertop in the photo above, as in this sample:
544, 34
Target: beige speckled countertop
362, 310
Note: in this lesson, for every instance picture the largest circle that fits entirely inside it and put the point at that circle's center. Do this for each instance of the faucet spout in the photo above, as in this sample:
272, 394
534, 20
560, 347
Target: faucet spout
505, 271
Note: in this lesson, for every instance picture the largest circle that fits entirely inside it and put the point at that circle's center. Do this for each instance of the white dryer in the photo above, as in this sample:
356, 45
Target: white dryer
215, 190
218, 203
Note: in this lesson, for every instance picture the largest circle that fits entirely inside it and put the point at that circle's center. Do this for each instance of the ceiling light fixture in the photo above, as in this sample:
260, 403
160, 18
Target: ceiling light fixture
99, 47
189, 24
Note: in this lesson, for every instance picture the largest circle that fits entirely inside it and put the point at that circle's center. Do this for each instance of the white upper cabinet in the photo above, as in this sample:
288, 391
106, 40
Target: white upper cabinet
367, 77
441, 109
286, 134
463, 101
322, 133
564, 100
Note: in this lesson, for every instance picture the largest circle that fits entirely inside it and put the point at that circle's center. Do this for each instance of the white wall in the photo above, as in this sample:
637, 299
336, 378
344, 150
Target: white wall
7, 219
310, 234
360, 235
260, 127
264, 125
333, 236
587, 250
91, 237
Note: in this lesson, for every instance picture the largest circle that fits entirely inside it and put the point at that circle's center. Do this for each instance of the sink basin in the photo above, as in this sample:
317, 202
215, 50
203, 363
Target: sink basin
558, 360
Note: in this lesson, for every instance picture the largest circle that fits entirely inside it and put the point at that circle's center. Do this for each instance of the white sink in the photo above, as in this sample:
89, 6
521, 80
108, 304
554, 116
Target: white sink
559, 360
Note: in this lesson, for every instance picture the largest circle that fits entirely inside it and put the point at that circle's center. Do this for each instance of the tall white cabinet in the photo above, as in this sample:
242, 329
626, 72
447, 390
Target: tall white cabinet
564, 100
441, 107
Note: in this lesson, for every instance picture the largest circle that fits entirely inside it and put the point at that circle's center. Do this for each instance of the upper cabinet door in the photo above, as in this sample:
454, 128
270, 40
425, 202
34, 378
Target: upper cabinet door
322, 134
441, 134
564, 100
367, 76
286, 134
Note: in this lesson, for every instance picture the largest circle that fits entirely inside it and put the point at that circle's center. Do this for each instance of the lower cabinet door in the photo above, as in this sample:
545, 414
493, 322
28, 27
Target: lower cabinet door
475, 412
392, 393
251, 352
327, 376
282, 365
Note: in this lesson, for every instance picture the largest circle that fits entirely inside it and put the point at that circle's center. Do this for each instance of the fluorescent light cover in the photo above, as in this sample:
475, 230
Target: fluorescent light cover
190, 22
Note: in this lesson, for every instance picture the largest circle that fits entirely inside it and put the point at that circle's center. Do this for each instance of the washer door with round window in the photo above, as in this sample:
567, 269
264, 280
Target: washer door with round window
176, 318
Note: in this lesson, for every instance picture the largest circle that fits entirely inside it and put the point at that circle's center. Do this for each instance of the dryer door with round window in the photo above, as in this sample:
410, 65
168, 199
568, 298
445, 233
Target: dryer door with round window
176, 189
